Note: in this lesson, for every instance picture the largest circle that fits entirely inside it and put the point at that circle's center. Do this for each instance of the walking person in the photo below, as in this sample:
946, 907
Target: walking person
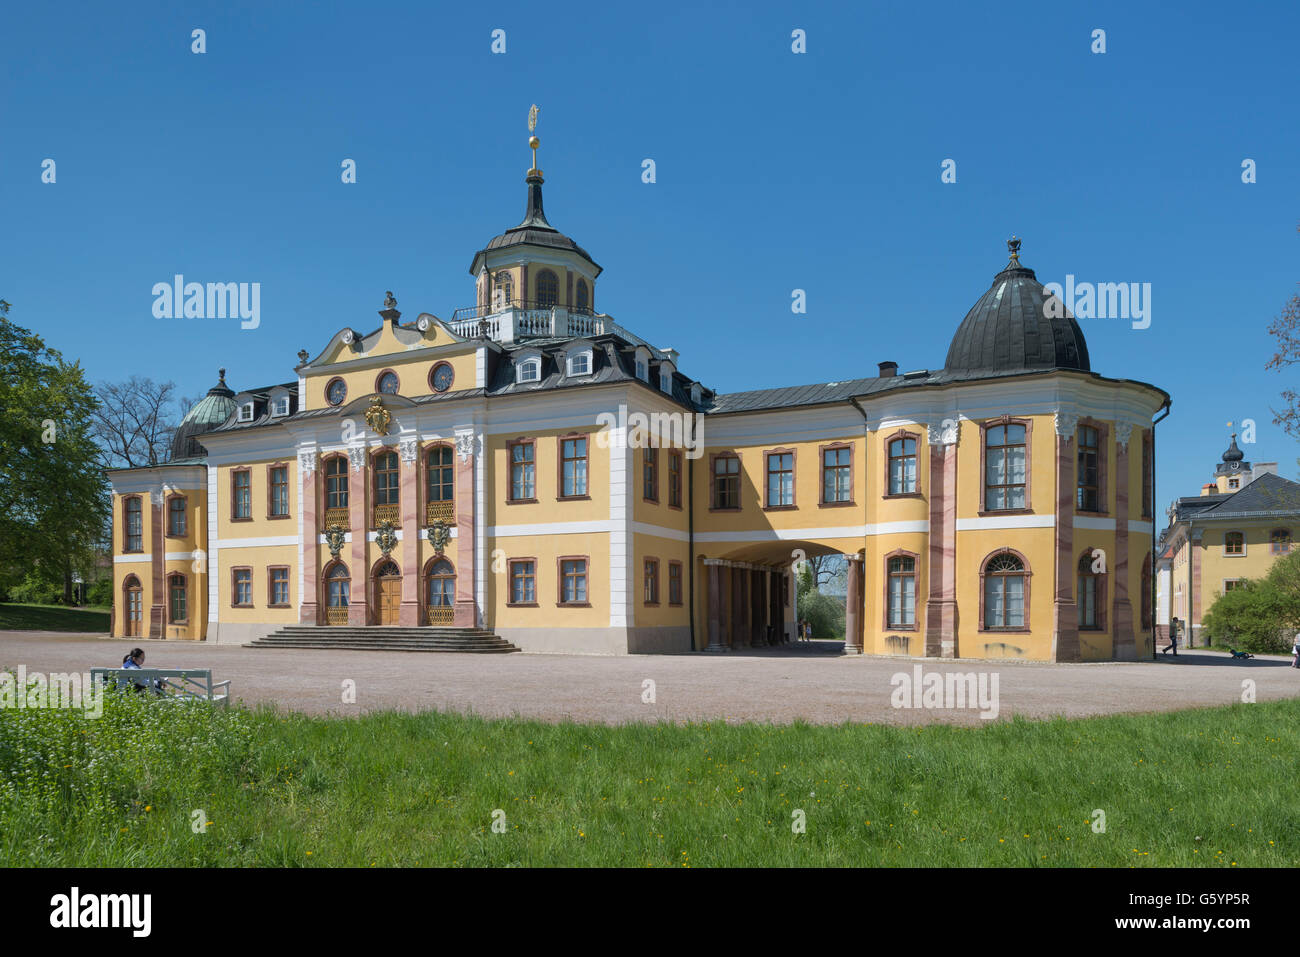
1295, 651
1174, 625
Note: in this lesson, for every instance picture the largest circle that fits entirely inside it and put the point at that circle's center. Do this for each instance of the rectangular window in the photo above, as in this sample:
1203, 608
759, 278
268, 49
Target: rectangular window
439, 474
1005, 467
650, 474
780, 479
523, 582
243, 501
280, 492
1088, 601
1234, 543
902, 592
674, 583
1230, 583
573, 581
902, 466
388, 482
177, 595
652, 581
573, 467
837, 475
176, 523
243, 587
134, 525
1088, 498
674, 479
522, 466
279, 586
336, 483
726, 482
580, 363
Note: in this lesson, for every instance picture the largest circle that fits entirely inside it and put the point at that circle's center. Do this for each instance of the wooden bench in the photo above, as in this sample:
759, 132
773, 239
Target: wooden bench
188, 684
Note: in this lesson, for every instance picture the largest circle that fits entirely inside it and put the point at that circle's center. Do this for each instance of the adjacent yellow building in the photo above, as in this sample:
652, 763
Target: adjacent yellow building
529, 467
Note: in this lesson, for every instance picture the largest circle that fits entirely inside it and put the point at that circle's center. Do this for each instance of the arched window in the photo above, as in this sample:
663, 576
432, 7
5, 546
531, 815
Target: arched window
336, 482
440, 592
503, 291
338, 584
1234, 543
548, 288
902, 466
1091, 595
1280, 541
387, 479
177, 611
902, 592
1004, 592
580, 299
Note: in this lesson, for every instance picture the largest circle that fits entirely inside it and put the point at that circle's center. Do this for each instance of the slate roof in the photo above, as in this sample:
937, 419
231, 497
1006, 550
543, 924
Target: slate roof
534, 230
817, 393
1268, 496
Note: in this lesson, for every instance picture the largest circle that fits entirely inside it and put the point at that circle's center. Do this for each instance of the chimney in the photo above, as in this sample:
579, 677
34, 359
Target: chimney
888, 369
672, 354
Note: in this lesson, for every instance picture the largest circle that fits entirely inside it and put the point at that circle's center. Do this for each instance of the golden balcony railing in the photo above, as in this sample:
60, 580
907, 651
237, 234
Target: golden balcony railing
387, 513
337, 516
439, 512
439, 614
336, 616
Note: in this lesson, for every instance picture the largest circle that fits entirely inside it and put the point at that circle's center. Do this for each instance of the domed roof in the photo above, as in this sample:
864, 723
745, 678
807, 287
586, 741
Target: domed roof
1012, 328
534, 230
1233, 454
208, 413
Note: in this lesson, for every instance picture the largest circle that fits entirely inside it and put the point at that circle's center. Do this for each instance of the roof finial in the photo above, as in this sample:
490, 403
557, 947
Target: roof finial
533, 141
389, 301
1013, 247
221, 377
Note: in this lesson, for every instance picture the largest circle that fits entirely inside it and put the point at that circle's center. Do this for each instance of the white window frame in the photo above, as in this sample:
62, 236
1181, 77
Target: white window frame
584, 355
526, 363
246, 412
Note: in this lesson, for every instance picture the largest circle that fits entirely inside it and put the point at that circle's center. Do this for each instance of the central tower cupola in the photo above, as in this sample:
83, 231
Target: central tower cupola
534, 265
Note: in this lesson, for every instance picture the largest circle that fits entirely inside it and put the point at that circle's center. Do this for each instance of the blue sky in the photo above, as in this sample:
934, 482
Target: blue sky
775, 171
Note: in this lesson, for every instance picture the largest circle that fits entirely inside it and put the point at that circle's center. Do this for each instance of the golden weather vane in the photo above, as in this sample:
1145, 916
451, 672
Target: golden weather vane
533, 141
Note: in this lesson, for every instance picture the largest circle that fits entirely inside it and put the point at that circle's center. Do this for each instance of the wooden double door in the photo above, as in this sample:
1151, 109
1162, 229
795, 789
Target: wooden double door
134, 610
388, 595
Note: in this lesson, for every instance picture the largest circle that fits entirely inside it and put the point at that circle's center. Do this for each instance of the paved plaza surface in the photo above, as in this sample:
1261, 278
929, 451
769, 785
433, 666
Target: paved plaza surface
814, 683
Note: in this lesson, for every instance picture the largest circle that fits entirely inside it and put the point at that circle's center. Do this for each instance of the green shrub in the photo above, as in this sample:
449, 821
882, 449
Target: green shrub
1254, 617
100, 594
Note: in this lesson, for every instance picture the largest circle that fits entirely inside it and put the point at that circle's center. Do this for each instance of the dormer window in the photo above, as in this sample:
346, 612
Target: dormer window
697, 393
666, 382
580, 363
640, 369
529, 370
280, 405
643, 363
246, 412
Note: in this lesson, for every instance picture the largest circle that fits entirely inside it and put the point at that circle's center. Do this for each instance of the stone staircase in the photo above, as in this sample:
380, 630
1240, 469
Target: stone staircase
384, 638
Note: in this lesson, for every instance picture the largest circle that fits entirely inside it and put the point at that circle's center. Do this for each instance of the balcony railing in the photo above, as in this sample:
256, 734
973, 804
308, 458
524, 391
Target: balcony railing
337, 516
387, 513
336, 616
521, 320
439, 512
439, 614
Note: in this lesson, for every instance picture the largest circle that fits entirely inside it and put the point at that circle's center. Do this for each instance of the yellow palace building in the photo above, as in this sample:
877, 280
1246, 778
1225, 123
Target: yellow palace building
533, 470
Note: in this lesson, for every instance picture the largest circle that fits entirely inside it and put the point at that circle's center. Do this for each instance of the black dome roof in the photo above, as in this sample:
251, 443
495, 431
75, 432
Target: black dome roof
535, 230
1009, 331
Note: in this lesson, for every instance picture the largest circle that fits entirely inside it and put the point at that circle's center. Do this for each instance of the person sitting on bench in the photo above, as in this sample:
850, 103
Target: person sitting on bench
136, 660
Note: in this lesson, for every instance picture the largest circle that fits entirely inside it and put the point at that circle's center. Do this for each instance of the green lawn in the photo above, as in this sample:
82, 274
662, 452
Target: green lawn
54, 618
1214, 788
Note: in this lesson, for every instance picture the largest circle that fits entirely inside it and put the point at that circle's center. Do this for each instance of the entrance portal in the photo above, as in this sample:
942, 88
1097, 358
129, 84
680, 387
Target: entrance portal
388, 592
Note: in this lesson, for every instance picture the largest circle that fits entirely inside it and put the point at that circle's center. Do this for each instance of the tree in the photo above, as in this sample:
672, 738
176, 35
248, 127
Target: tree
1286, 329
53, 499
133, 423
825, 613
1259, 616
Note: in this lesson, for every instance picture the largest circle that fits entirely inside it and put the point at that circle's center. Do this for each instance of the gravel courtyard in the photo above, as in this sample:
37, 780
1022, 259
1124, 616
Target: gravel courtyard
811, 683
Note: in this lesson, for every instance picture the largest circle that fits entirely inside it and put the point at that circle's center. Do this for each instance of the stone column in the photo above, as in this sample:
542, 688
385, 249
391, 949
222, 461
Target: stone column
466, 613
359, 519
853, 609
941, 602
157, 553
408, 615
1065, 612
309, 502
714, 585
1124, 641
744, 607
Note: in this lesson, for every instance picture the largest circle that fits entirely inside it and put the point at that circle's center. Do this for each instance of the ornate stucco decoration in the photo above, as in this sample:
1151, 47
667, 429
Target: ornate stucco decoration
465, 445
439, 535
335, 536
1067, 423
410, 449
357, 456
943, 433
377, 417
386, 538
307, 460
156, 496
1122, 432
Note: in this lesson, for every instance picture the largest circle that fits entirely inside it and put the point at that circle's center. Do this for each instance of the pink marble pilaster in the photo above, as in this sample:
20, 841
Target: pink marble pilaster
466, 613
408, 615
359, 516
1125, 644
1065, 612
309, 502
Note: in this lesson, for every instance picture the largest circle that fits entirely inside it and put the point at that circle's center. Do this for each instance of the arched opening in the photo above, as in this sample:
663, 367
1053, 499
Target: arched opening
503, 290
388, 593
1091, 595
133, 603
1004, 592
581, 302
338, 587
548, 289
439, 592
